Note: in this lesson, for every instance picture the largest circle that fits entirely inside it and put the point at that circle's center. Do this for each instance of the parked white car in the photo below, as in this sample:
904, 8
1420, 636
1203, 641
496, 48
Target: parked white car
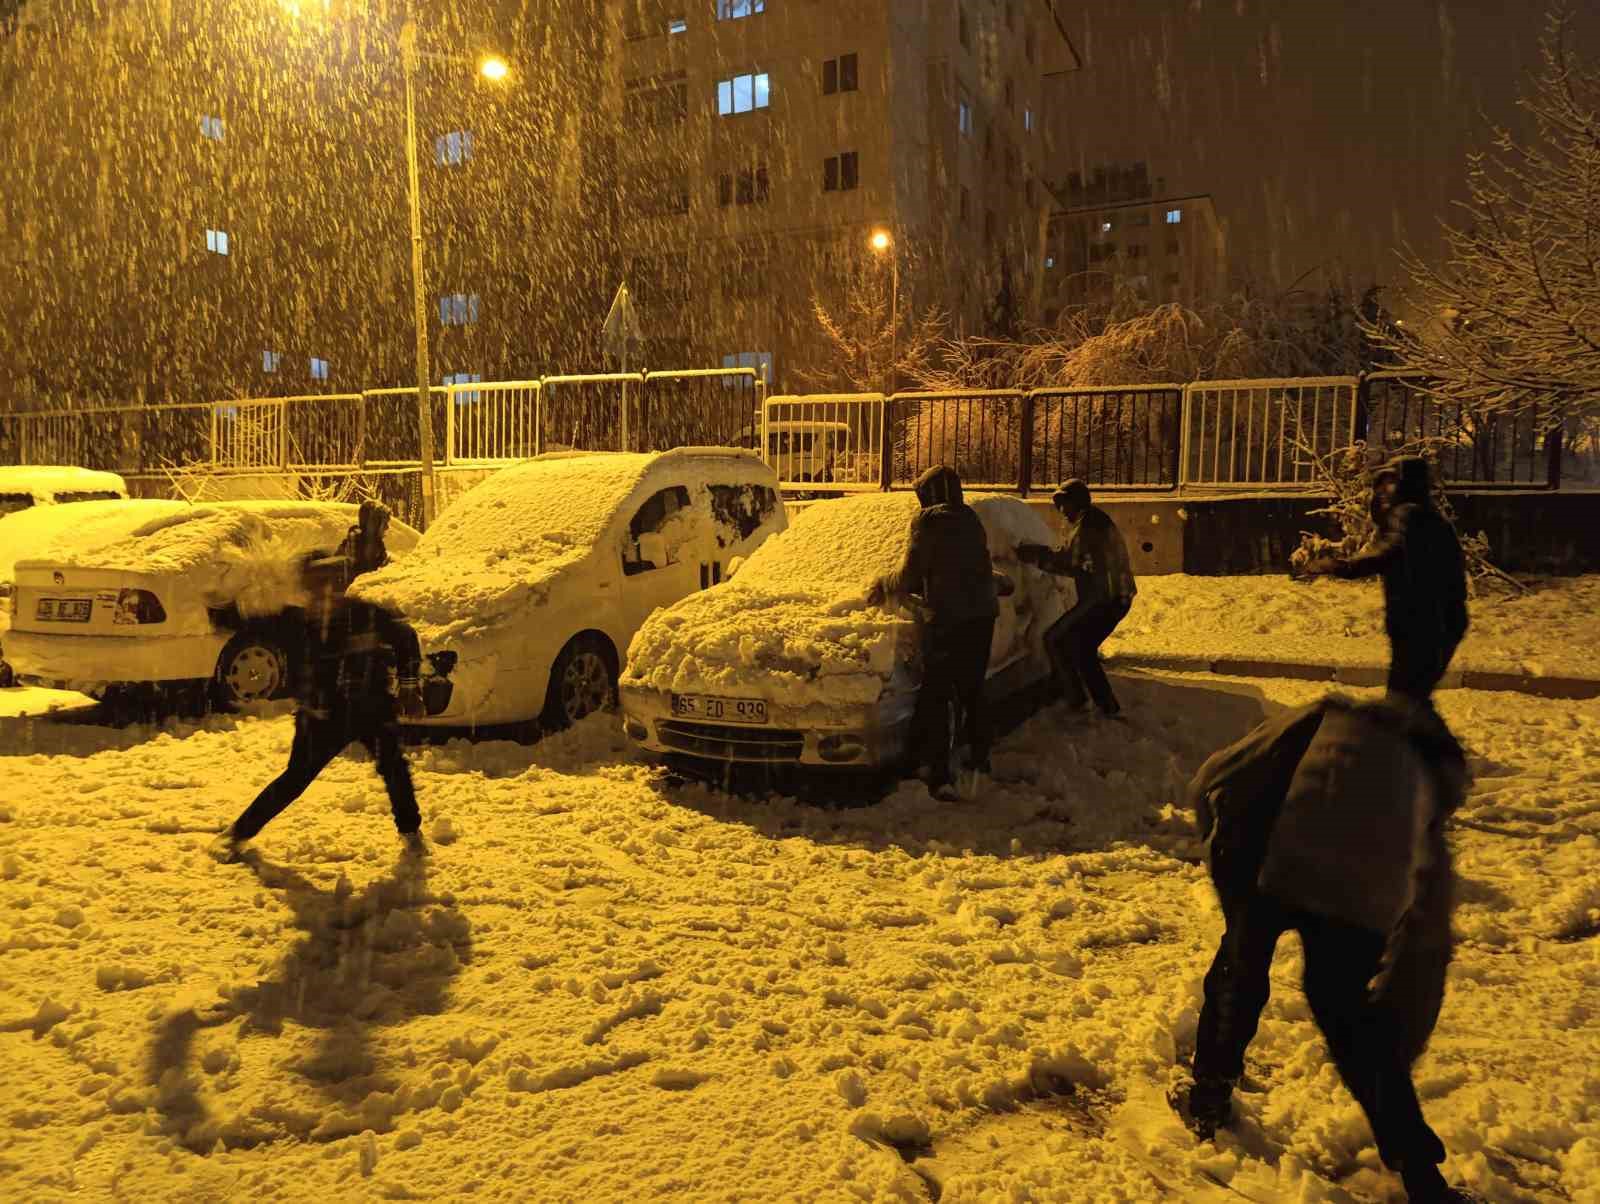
805, 450
153, 592
526, 591
29, 495
788, 664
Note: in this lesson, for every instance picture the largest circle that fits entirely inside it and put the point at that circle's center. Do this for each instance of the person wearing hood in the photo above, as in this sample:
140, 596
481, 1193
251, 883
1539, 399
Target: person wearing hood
1424, 577
948, 570
1096, 558
1329, 820
350, 649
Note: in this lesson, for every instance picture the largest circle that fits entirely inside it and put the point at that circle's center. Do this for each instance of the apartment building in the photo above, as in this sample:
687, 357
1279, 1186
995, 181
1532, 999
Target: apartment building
1119, 233
220, 207
762, 142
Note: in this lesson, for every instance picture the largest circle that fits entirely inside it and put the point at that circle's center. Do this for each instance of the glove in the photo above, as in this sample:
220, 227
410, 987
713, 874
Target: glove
410, 699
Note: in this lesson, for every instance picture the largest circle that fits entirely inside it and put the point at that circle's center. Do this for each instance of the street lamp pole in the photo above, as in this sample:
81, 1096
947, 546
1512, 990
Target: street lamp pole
894, 319
408, 59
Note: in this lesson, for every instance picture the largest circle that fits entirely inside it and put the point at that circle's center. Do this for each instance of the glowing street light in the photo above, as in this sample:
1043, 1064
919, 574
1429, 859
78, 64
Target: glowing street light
882, 241
491, 67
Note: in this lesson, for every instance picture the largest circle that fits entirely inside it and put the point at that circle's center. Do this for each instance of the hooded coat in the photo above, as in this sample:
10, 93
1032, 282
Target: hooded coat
1290, 811
1419, 558
947, 558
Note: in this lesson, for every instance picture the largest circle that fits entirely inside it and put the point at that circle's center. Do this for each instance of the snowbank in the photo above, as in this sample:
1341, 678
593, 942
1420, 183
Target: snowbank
603, 987
794, 627
47, 481
1547, 631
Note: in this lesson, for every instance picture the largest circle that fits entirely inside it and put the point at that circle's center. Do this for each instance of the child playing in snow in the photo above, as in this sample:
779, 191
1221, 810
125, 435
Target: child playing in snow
344, 697
1329, 821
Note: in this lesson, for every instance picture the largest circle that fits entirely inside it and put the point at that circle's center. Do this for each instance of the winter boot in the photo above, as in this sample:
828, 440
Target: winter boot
946, 792
227, 848
1203, 1105
413, 845
1425, 1185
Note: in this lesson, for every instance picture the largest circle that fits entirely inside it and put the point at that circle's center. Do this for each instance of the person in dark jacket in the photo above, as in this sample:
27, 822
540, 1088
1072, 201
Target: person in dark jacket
1424, 577
1330, 821
948, 570
1096, 558
351, 647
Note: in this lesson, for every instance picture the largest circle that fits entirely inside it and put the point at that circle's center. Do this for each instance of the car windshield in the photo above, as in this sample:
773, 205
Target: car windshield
834, 547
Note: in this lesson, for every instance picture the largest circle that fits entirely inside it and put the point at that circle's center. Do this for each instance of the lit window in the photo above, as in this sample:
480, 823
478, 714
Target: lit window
269, 361
677, 25
1105, 226
217, 241
964, 115
734, 10
458, 309
1049, 261
1174, 216
760, 361
1027, 120
319, 369
743, 93
211, 127
452, 149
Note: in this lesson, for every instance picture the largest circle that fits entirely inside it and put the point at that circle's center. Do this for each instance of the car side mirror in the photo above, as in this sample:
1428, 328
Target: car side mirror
652, 549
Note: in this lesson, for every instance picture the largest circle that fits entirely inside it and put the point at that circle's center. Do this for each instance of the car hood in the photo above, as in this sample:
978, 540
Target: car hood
449, 598
800, 650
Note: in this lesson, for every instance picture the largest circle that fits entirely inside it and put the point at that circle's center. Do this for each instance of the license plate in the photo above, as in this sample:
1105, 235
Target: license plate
722, 710
64, 610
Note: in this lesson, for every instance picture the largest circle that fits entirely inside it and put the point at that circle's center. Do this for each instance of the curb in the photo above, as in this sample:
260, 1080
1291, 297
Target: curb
1566, 688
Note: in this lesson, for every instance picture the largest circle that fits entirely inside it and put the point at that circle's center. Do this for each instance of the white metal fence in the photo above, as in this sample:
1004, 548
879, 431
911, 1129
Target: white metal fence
1264, 432
833, 439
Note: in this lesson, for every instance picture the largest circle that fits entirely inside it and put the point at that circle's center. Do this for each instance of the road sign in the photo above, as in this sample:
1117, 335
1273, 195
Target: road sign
622, 332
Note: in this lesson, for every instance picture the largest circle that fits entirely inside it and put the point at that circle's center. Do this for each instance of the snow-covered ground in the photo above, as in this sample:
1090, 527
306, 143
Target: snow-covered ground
1547, 631
604, 986
17, 701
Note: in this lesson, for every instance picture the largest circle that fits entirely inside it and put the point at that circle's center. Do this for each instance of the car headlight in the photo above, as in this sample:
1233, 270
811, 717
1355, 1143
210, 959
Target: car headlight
138, 606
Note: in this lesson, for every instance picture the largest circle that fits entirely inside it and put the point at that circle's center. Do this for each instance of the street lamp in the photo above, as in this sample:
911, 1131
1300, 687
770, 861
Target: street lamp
881, 241
493, 68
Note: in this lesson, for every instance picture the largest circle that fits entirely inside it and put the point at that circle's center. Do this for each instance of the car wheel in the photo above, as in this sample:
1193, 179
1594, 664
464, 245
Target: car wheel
252, 668
582, 681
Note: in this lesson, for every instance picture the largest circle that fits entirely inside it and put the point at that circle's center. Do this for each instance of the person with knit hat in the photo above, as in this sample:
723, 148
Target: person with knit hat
1096, 558
1424, 576
948, 570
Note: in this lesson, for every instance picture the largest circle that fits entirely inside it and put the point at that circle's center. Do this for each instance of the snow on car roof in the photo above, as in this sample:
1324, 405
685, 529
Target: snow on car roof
502, 542
155, 535
834, 547
47, 480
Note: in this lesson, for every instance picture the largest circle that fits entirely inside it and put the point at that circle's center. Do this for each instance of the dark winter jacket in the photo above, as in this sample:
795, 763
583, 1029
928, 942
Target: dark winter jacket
947, 559
1280, 810
1419, 557
1096, 558
348, 657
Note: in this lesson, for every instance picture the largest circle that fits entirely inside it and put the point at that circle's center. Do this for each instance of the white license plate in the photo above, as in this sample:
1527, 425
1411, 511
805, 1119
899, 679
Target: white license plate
720, 710
63, 610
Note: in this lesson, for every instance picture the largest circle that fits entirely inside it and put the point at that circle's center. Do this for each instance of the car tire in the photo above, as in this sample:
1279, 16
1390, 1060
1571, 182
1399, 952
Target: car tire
583, 680
253, 667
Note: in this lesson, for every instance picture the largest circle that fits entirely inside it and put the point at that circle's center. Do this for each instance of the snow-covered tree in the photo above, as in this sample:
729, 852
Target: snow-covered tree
1512, 315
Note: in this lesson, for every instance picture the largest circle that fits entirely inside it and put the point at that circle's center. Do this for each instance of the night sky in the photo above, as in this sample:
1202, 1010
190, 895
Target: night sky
1328, 132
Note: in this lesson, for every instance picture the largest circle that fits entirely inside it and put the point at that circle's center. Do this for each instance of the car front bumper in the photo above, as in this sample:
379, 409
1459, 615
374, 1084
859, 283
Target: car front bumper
872, 736
89, 663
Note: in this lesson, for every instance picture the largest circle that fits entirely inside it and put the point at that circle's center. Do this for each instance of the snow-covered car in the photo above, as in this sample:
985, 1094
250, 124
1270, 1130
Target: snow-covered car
788, 664
25, 490
526, 590
153, 592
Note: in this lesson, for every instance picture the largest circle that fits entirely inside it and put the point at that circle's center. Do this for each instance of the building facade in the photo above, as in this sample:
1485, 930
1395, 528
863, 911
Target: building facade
763, 142
1121, 236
